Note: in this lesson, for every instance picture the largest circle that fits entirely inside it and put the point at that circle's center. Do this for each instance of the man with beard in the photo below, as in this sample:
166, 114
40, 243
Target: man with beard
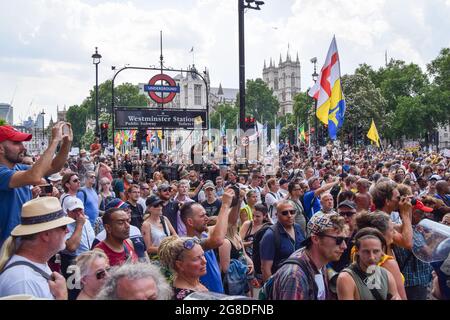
16, 178
117, 245
364, 279
196, 220
307, 279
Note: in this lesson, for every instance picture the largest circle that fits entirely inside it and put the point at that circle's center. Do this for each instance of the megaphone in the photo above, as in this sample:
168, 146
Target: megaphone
332, 279
431, 241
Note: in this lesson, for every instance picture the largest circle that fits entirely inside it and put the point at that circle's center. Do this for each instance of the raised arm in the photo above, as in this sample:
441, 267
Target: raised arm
324, 188
61, 157
218, 232
404, 238
43, 165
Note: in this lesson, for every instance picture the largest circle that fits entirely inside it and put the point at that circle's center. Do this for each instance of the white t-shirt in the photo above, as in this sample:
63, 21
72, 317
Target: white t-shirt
87, 238
321, 294
271, 202
141, 201
24, 280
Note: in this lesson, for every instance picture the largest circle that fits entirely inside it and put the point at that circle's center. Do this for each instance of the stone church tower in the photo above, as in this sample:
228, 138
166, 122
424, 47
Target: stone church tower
284, 80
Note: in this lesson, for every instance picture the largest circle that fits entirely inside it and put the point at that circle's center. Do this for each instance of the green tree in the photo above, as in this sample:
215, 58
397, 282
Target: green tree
364, 102
227, 113
438, 95
303, 109
125, 94
77, 116
260, 101
87, 139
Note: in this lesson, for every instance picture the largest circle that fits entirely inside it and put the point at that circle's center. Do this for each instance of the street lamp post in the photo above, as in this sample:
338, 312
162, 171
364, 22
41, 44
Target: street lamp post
314, 77
43, 131
96, 60
249, 4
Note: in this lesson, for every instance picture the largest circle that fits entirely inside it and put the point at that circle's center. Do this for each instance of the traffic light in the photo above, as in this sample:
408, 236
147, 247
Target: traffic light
104, 133
250, 122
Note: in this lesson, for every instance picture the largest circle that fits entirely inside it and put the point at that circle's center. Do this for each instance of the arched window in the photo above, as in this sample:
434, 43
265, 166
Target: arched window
275, 84
293, 80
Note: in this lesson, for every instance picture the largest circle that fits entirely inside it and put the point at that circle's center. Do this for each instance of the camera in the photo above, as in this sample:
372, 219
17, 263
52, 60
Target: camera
235, 200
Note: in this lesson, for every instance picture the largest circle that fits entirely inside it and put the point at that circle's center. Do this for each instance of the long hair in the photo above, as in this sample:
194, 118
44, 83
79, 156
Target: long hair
7, 251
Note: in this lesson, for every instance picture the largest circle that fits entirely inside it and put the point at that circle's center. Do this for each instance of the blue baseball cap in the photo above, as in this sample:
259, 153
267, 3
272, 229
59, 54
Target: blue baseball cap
117, 203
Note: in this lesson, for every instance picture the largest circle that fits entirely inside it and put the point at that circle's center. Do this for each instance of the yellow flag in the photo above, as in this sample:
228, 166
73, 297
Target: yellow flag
198, 121
373, 134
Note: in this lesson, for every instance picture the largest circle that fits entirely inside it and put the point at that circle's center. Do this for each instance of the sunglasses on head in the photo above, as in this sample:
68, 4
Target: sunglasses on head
188, 244
101, 274
286, 212
338, 240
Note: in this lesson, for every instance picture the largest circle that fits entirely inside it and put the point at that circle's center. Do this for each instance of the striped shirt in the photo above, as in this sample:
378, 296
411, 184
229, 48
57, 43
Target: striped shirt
416, 272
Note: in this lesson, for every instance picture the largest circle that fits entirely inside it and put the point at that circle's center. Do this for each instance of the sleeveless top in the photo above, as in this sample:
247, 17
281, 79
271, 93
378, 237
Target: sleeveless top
157, 234
363, 289
380, 263
118, 258
249, 236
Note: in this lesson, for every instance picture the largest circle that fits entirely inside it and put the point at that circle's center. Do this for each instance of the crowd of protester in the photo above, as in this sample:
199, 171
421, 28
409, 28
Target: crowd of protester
312, 227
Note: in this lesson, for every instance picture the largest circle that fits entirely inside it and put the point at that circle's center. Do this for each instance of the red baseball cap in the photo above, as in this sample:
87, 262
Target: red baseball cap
420, 206
10, 133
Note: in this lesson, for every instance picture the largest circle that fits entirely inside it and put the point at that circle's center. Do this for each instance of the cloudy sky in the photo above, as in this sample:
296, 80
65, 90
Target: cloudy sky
46, 45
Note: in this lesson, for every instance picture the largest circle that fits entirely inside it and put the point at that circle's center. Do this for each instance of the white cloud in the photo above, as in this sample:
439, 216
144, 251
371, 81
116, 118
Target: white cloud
47, 52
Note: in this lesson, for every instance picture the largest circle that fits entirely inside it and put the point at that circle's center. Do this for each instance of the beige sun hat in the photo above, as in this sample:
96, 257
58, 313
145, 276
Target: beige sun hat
41, 214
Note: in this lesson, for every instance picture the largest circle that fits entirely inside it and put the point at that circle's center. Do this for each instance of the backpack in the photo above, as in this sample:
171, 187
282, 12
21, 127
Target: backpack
266, 291
256, 257
235, 279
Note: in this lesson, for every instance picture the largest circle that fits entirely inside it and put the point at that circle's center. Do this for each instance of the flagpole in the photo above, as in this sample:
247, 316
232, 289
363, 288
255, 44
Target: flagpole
262, 140
276, 133
309, 136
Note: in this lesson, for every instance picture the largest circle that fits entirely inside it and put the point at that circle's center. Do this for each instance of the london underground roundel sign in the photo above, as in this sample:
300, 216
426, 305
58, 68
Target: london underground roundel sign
169, 86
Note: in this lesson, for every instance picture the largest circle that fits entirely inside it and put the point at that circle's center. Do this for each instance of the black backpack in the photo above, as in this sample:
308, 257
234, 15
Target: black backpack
256, 257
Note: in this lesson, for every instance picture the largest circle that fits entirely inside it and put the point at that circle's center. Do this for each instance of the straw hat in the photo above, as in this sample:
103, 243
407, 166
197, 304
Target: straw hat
41, 214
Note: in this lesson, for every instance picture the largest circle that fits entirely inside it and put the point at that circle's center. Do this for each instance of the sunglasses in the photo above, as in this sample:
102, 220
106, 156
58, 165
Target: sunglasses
167, 189
347, 213
101, 274
338, 240
286, 212
188, 244
75, 181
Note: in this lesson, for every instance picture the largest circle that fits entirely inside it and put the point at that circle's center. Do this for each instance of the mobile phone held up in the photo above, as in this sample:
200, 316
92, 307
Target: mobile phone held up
65, 129
46, 189
235, 200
